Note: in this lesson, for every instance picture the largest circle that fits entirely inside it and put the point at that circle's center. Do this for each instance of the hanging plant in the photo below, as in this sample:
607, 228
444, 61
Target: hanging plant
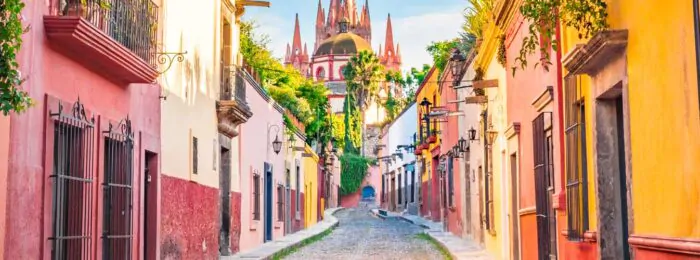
502, 50
353, 172
479, 75
11, 97
586, 16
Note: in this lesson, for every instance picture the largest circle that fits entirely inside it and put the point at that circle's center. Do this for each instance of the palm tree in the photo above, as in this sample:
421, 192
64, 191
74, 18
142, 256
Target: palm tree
363, 74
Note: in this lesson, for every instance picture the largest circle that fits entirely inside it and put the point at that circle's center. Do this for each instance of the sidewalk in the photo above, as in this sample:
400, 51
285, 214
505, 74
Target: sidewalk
459, 248
269, 249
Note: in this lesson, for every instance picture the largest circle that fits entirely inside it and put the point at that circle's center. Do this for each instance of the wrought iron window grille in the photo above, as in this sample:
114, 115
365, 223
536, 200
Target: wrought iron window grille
118, 191
72, 183
256, 196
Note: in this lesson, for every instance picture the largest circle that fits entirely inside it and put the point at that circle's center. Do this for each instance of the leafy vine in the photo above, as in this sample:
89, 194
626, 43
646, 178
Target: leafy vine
354, 170
11, 97
585, 16
502, 50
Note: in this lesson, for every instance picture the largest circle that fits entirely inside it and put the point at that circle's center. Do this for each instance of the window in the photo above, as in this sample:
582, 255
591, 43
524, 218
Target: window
413, 181
195, 155
117, 185
256, 196
71, 185
450, 183
320, 73
576, 171
280, 202
399, 189
544, 186
297, 188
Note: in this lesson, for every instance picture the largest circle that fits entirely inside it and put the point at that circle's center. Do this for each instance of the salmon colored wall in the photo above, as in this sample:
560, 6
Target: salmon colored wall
529, 237
4, 157
571, 249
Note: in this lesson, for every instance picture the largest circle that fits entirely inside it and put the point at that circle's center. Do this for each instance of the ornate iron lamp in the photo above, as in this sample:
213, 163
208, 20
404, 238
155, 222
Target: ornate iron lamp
457, 61
472, 135
277, 145
463, 145
425, 106
491, 135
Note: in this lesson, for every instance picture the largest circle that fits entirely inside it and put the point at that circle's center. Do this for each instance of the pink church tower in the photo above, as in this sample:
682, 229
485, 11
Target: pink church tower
296, 56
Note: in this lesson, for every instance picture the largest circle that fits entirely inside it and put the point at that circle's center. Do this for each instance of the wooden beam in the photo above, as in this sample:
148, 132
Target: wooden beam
481, 84
255, 3
475, 100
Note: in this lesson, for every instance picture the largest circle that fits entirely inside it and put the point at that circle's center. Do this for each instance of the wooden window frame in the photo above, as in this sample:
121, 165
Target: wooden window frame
256, 196
576, 169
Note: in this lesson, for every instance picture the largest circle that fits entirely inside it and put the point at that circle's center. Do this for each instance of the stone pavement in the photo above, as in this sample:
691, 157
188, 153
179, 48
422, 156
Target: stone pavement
360, 235
459, 248
267, 250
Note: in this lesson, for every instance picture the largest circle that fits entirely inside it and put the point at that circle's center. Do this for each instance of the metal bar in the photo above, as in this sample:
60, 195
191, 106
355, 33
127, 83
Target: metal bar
696, 22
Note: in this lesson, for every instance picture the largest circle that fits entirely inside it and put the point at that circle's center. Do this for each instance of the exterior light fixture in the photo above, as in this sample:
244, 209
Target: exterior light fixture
277, 145
457, 60
472, 134
455, 151
425, 106
491, 134
463, 145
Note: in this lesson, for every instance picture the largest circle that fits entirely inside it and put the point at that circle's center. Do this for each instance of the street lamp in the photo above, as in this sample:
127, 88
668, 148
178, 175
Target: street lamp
277, 145
472, 134
491, 135
425, 104
457, 61
463, 145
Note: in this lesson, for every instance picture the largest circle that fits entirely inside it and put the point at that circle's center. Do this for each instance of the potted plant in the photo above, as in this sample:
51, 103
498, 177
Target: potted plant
432, 139
97, 16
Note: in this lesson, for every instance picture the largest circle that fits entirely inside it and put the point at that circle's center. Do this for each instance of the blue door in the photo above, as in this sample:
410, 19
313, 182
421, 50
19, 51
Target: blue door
367, 193
268, 202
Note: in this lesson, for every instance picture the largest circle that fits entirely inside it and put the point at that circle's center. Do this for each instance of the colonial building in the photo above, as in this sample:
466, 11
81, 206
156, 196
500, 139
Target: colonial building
89, 150
428, 146
399, 177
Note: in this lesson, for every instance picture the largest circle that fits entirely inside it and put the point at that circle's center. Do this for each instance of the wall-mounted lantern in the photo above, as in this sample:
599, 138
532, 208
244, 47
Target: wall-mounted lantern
277, 145
472, 135
457, 60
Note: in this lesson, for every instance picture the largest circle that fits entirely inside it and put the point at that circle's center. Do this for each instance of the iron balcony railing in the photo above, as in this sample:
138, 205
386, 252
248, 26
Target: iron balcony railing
132, 23
233, 84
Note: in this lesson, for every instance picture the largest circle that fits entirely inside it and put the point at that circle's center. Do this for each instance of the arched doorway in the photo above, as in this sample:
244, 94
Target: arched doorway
368, 193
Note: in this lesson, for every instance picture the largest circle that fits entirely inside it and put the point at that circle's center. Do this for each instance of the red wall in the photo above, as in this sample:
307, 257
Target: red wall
528, 237
351, 200
189, 220
235, 221
48, 72
573, 250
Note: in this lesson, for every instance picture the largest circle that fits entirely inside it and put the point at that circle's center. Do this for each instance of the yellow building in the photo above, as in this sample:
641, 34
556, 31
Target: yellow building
633, 91
496, 177
428, 143
311, 206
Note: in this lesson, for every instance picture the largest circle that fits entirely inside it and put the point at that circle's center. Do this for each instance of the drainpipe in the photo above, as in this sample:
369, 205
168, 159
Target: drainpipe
696, 19
560, 116
484, 116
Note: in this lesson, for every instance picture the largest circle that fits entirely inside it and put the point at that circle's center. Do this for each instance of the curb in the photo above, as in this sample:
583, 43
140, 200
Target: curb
273, 249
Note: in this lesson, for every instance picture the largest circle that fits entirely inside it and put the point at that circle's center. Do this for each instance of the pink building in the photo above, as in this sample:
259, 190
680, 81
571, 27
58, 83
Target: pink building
88, 151
262, 171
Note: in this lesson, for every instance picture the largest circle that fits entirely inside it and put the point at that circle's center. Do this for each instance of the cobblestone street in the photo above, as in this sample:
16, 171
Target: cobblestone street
363, 236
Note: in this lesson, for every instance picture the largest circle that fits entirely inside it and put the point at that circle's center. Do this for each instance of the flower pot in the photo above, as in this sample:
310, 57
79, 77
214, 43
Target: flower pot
432, 139
74, 8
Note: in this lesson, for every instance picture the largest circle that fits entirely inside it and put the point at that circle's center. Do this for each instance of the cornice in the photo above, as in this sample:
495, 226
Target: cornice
588, 58
543, 99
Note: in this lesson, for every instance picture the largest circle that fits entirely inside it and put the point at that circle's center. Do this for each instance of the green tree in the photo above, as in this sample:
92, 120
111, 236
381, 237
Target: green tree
477, 14
441, 52
363, 73
11, 97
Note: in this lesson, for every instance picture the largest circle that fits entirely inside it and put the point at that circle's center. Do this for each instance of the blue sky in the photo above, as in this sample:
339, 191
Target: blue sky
416, 23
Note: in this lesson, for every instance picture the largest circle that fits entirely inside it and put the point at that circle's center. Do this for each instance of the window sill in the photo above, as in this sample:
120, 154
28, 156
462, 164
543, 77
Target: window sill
588, 236
254, 225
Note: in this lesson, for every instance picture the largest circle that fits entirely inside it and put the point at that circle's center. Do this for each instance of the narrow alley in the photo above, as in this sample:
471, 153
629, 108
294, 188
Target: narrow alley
361, 235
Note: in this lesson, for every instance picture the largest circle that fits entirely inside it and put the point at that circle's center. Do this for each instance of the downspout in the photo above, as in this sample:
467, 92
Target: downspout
484, 116
560, 118
696, 19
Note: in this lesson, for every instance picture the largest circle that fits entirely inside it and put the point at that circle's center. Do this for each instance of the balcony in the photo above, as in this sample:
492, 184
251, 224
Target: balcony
232, 107
112, 37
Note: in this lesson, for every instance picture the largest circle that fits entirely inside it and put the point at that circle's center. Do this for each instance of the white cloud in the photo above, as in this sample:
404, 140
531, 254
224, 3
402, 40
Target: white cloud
414, 33
271, 25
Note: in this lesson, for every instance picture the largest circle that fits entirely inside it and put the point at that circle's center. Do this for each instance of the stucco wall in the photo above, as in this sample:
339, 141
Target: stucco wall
256, 142
311, 183
4, 157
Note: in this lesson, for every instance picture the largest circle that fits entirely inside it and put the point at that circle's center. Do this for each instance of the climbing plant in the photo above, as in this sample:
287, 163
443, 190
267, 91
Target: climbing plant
502, 50
354, 169
12, 98
585, 16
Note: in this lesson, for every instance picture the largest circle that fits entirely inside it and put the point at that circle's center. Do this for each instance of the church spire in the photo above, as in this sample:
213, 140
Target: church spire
333, 13
320, 15
296, 41
389, 41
